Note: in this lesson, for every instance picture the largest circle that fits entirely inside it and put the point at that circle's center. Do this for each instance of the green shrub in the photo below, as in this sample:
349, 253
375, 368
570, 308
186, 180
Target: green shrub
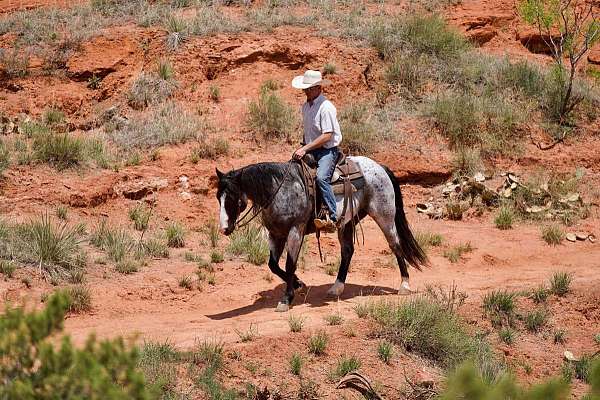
36, 365
507, 335
361, 309
504, 218
210, 353
270, 116
345, 365
455, 253
521, 76
536, 320
540, 294
53, 116
62, 211
185, 282
427, 239
248, 335
499, 302
385, 350
296, 364
175, 233
79, 299
407, 73
7, 268
317, 343
295, 323
158, 362
54, 247
58, 149
552, 234
15, 62
251, 242
127, 266
560, 336
216, 257
560, 282
76, 276
334, 319
140, 215
430, 329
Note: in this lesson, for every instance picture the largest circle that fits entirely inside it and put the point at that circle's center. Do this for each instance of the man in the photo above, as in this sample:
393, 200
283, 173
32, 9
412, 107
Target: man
322, 136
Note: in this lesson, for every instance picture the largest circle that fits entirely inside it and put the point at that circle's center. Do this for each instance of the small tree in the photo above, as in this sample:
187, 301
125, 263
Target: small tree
569, 28
35, 366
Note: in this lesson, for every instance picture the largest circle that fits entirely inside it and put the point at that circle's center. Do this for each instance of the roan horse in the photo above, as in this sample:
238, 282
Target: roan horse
278, 193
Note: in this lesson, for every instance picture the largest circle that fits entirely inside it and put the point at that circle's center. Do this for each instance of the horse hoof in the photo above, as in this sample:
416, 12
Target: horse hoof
282, 307
300, 286
405, 289
336, 290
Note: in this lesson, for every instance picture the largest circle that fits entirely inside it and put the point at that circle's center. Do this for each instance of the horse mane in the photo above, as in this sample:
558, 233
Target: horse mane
260, 181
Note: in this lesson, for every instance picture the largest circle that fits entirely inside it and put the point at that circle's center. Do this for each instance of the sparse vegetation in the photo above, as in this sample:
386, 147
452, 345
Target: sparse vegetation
507, 335
212, 231
499, 302
455, 253
58, 149
7, 268
360, 129
552, 234
165, 124
504, 218
539, 294
296, 364
428, 239
428, 328
329, 68
361, 309
334, 319
270, 116
295, 323
248, 335
317, 343
250, 241
214, 93
185, 282
216, 256
385, 350
156, 248
175, 233
126, 266
535, 320
79, 299
140, 215
210, 149
560, 336
62, 212
466, 161
560, 282
345, 365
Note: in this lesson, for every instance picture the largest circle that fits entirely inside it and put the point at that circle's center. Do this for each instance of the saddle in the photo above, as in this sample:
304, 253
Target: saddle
347, 178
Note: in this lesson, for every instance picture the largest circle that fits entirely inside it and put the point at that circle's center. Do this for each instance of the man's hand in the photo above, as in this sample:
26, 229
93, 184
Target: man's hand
298, 154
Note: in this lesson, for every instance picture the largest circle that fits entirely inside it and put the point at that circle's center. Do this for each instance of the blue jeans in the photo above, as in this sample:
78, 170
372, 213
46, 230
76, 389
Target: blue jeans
326, 159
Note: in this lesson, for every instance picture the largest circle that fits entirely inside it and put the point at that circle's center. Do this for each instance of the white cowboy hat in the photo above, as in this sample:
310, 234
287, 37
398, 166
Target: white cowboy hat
309, 79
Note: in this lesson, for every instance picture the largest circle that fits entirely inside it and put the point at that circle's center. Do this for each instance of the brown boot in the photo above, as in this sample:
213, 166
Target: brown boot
325, 225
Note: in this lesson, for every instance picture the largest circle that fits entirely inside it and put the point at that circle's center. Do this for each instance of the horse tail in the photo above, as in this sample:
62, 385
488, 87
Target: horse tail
413, 253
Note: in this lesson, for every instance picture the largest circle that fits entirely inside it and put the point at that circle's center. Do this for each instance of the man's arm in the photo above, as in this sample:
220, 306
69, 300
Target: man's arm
315, 144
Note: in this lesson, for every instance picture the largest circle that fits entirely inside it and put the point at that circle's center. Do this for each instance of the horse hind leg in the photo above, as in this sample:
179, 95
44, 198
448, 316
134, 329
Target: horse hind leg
388, 226
345, 237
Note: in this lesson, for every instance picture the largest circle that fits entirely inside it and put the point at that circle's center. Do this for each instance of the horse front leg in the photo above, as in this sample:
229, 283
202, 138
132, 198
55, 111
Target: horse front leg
276, 245
294, 242
345, 237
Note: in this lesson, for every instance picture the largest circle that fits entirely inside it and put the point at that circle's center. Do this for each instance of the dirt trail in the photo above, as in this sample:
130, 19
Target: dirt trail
151, 304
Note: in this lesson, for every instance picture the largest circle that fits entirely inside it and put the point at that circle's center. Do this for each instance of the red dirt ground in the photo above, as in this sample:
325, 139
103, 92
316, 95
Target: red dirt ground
150, 305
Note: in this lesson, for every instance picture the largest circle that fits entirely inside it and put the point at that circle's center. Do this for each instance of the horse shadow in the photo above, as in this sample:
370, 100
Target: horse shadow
314, 296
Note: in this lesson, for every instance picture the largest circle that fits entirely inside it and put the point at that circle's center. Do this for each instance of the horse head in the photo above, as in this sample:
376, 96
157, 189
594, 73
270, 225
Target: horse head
232, 201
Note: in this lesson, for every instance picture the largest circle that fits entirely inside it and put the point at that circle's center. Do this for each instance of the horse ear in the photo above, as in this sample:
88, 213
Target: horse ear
219, 173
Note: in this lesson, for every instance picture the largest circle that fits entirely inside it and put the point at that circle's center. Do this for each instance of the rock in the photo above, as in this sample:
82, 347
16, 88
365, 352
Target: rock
482, 35
140, 188
185, 195
594, 56
569, 356
507, 192
573, 197
536, 42
479, 177
571, 237
581, 235
513, 178
534, 209
592, 238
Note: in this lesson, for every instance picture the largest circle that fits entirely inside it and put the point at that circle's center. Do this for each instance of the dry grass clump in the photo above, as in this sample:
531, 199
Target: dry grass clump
153, 87
166, 124
250, 242
270, 116
210, 149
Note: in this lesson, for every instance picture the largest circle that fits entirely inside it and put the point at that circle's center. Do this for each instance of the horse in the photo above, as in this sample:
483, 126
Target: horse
278, 193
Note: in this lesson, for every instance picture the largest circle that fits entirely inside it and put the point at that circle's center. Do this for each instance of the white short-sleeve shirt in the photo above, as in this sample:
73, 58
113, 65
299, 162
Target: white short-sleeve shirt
319, 118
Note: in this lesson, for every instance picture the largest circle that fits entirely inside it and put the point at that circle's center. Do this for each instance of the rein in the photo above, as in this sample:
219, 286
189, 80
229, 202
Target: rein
240, 223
